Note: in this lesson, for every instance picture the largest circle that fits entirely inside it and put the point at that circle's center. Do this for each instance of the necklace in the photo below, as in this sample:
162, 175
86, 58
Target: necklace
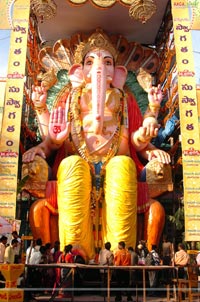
97, 163
77, 138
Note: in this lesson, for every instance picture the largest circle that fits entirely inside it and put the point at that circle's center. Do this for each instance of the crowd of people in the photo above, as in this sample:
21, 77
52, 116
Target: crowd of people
51, 278
123, 256
10, 248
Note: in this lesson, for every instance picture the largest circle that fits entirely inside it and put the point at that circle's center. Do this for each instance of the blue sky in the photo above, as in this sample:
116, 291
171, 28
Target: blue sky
4, 51
196, 51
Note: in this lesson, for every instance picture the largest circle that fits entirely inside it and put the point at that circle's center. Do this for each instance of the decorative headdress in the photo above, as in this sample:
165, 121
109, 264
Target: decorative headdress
98, 40
66, 52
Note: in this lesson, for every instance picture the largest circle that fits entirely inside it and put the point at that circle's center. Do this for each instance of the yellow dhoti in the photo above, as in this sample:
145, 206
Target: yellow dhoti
119, 212
119, 209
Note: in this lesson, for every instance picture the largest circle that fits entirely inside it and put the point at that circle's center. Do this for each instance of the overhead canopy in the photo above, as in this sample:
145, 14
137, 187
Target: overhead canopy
102, 4
111, 15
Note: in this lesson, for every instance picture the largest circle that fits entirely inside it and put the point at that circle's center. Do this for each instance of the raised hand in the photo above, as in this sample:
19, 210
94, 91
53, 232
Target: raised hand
155, 95
59, 125
39, 96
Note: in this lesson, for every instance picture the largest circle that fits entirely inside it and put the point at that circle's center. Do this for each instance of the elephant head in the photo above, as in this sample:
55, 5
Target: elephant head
98, 73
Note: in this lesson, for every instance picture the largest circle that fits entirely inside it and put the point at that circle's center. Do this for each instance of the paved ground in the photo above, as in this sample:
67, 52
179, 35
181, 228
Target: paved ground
98, 298
94, 298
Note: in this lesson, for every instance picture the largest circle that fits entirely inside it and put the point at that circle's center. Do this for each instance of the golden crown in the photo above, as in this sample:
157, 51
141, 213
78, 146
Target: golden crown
98, 40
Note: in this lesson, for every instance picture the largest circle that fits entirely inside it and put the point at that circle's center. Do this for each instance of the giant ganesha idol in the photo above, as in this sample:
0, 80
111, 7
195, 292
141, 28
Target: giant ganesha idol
96, 132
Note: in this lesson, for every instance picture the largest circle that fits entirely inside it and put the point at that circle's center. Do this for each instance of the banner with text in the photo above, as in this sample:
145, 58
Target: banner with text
11, 124
183, 19
6, 14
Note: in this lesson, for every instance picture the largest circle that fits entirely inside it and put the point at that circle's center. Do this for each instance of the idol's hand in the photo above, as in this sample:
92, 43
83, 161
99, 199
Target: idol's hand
155, 95
161, 155
29, 155
39, 96
145, 134
59, 125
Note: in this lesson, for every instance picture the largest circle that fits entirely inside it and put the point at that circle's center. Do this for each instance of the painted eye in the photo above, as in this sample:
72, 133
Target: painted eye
108, 62
88, 61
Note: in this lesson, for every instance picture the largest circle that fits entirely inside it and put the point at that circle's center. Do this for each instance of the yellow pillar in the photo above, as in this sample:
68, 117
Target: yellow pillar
11, 273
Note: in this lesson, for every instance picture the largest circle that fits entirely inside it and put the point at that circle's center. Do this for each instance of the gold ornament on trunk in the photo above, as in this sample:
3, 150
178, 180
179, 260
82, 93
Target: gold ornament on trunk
142, 10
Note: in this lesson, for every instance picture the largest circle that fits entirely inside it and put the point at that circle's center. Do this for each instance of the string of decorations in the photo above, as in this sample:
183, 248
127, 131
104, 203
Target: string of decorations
140, 10
44, 9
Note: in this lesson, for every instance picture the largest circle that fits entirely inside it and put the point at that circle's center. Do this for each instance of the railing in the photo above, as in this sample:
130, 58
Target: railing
107, 271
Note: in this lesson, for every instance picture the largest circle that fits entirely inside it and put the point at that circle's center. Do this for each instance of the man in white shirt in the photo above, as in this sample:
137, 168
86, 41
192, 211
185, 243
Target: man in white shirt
3, 241
29, 251
37, 256
106, 257
17, 249
35, 274
9, 256
181, 259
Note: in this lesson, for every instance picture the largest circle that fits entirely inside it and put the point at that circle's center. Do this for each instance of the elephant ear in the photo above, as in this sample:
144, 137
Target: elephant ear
119, 78
75, 75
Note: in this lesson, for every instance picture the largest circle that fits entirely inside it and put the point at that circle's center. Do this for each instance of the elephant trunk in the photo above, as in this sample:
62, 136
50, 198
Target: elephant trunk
99, 83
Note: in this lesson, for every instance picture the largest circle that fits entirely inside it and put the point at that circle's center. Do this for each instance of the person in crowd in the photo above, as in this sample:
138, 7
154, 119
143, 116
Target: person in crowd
66, 257
48, 253
167, 258
38, 244
106, 257
181, 259
55, 251
134, 256
17, 249
153, 274
35, 273
142, 252
38, 256
3, 242
35, 258
122, 257
9, 256
48, 274
134, 261
29, 251
15, 235
167, 251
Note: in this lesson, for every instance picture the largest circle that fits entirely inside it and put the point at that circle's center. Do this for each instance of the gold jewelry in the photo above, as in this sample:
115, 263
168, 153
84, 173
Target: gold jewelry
139, 138
154, 107
149, 114
149, 120
142, 140
40, 109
